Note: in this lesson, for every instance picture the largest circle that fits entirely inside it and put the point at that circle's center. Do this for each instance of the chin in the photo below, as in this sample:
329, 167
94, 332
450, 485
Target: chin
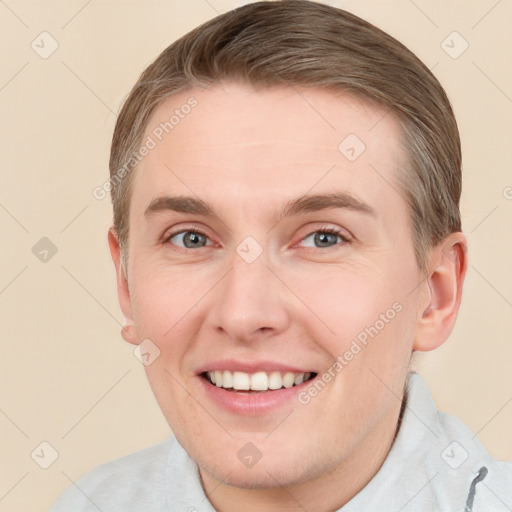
255, 478
250, 480
265, 474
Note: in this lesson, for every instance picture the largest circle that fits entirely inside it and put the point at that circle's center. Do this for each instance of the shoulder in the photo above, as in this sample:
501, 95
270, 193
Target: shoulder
465, 469
464, 454
137, 478
437, 454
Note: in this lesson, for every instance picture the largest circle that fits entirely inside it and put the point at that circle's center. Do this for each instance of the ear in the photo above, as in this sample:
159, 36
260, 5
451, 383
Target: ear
443, 291
128, 332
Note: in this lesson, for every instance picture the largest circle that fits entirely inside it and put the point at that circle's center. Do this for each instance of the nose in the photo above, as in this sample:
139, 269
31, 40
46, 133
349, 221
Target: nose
250, 301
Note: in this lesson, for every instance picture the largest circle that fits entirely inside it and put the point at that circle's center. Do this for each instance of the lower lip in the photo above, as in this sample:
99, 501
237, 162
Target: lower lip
251, 404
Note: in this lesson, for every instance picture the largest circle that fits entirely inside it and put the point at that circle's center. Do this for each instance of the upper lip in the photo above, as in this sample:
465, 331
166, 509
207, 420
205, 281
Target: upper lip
250, 366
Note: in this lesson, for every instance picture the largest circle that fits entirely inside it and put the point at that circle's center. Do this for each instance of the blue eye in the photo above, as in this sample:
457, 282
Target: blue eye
326, 236
192, 237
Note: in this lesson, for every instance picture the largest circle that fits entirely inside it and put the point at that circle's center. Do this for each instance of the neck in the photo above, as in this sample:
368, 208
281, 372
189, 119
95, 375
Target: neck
325, 493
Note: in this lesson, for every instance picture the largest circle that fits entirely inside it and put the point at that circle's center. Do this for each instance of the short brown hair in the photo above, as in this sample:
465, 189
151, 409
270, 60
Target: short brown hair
304, 43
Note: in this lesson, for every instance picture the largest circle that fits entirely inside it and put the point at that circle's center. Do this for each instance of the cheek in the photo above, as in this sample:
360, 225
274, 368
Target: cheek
369, 318
160, 298
346, 299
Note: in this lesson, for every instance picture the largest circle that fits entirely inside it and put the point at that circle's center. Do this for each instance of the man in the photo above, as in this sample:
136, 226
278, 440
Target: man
286, 182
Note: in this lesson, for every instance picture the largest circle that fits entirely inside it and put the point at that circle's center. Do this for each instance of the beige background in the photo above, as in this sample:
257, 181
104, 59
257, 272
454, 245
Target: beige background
67, 377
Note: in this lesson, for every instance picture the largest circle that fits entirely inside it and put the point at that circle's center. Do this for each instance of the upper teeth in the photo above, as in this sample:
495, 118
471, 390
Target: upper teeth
259, 381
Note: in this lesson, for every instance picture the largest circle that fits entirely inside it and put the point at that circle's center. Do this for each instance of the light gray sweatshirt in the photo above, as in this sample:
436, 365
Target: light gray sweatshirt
435, 464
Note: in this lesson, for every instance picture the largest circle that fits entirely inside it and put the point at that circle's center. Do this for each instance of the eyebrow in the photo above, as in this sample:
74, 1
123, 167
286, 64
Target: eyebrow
303, 204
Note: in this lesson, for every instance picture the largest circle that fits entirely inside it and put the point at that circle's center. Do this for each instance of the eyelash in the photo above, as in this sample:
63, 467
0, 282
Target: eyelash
326, 230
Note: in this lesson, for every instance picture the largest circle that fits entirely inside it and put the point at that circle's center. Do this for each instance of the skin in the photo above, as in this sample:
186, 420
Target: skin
246, 153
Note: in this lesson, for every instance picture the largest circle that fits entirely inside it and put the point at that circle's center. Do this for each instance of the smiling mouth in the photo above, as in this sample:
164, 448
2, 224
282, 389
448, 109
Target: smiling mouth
259, 382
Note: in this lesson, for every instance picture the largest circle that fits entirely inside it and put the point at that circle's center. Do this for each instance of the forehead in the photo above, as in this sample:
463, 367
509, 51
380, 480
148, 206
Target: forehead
271, 144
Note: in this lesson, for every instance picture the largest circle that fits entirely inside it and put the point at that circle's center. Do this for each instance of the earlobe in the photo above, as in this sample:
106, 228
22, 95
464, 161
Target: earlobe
129, 334
448, 262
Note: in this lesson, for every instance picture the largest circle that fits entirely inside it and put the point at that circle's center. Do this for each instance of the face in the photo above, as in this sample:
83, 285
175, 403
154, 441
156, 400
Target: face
291, 266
